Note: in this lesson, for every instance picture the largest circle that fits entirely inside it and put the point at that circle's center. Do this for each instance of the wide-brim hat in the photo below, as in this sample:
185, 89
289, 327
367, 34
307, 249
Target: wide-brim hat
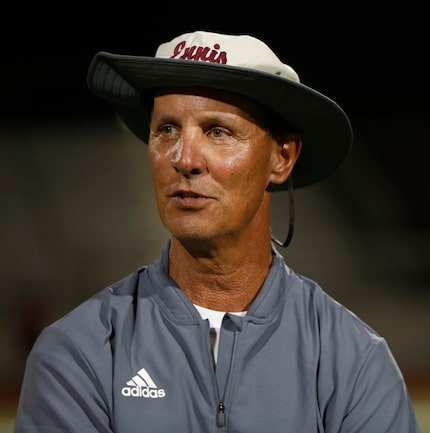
240, 64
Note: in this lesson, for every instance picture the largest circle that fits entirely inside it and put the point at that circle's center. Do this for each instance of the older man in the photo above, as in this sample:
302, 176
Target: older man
219, 334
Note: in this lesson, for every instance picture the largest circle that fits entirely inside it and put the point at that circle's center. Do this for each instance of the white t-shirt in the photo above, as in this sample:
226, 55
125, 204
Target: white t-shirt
215, 319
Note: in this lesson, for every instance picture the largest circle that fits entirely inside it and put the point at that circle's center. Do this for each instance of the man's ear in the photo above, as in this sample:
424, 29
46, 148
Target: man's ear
288, 150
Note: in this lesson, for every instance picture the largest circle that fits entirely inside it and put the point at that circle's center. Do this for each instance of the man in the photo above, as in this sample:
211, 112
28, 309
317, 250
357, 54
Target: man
219, 334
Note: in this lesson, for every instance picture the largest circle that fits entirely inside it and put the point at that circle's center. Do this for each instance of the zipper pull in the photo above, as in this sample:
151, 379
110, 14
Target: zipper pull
221, 414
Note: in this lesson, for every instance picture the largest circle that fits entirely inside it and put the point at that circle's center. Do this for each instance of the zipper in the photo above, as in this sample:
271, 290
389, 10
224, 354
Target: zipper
221, 414
226, 378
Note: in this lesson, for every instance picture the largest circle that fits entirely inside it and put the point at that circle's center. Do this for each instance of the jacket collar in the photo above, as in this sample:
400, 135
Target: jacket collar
174, 301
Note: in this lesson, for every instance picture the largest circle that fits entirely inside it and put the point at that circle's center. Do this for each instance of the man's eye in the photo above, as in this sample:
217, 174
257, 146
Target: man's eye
166, 129
217, 132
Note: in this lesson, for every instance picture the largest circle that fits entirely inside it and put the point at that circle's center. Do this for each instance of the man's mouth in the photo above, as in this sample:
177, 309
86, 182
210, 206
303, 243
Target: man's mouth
187, 194
189, 199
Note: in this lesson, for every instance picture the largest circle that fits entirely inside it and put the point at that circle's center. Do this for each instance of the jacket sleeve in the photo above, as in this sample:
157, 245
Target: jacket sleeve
380, 402
61, 390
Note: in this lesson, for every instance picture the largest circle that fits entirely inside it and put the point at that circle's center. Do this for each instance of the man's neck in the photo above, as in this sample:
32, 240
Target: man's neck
224, 279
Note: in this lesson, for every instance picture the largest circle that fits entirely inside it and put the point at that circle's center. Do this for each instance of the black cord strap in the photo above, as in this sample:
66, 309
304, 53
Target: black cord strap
291, 211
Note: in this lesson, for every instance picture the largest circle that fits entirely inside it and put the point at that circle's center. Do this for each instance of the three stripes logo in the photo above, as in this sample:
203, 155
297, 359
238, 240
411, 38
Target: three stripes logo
142, 385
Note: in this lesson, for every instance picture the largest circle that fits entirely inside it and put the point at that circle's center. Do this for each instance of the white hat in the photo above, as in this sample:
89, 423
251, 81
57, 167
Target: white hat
240, 64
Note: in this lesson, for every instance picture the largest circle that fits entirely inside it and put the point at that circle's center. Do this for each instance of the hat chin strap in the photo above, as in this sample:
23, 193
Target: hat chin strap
291, 212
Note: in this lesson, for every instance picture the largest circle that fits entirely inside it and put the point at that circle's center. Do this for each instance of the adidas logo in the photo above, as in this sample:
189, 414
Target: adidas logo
142, 385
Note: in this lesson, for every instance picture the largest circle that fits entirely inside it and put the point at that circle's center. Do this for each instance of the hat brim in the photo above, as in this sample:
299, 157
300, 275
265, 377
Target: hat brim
125, 81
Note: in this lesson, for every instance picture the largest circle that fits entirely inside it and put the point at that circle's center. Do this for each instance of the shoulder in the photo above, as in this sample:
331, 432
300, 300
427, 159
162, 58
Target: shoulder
335, 323
353, 358
90, 324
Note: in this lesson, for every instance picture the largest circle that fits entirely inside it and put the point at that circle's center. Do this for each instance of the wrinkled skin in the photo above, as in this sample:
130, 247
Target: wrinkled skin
212, 164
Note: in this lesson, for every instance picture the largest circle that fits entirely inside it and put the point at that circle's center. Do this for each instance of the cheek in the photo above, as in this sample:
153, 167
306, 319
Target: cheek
246, 172
161, 156
156, 152
158, 161
234, 168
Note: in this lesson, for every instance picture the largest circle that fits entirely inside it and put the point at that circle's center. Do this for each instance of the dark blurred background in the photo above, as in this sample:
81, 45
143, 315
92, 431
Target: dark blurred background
77, 211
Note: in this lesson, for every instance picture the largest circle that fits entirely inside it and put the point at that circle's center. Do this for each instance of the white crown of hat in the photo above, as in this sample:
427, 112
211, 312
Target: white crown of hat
233, 50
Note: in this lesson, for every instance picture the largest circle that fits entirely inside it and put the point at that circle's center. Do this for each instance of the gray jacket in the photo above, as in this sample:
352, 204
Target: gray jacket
136, 357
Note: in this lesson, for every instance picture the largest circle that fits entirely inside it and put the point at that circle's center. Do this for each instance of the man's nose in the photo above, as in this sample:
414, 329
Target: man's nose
188, 158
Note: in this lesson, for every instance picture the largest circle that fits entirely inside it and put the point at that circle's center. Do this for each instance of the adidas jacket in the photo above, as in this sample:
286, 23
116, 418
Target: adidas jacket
136, 357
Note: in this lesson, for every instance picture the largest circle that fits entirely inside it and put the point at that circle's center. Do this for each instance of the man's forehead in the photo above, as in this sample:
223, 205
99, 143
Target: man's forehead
247, 105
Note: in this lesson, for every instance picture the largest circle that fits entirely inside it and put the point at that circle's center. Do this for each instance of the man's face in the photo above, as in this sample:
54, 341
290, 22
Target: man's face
211, 164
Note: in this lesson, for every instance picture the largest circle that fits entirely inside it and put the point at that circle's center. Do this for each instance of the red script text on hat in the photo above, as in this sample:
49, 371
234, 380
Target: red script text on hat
204, 54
